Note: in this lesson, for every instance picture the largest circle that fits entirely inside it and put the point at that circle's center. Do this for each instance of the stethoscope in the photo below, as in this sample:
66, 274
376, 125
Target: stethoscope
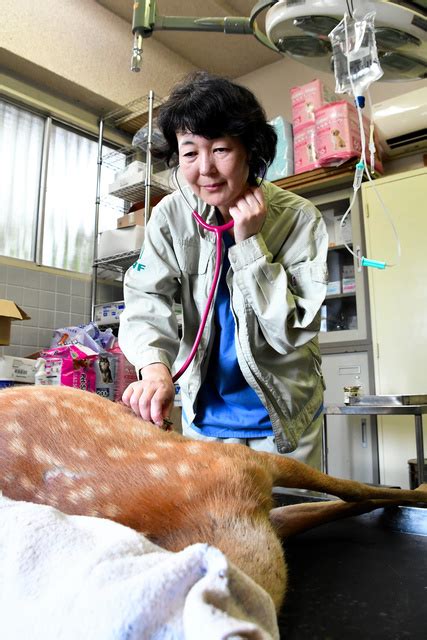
219, 230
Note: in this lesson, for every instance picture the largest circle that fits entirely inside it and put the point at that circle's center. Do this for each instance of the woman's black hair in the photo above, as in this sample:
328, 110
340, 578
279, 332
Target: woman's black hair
212, 106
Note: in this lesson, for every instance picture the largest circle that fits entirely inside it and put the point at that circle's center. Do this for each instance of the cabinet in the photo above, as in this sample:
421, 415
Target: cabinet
345, 339
117, 187
351, 442
345, 311
398, 298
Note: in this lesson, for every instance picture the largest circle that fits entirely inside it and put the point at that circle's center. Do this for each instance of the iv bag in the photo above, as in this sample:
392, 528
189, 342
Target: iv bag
355, 56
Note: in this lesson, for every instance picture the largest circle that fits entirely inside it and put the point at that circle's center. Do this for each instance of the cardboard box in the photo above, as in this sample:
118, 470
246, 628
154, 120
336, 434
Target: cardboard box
343, 233
115, 241
283, 163
306, 99
9, 311
333, 288
305, 158
106, 314
17, 369
131, 219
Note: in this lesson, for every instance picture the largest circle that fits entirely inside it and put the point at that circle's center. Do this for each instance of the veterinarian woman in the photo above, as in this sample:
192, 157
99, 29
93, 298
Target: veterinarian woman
256, 378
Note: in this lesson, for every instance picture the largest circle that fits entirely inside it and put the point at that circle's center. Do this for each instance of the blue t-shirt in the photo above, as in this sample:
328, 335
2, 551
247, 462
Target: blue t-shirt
227, 407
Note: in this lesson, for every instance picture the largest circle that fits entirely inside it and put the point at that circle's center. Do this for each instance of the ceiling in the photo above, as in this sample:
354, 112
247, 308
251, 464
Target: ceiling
229, 55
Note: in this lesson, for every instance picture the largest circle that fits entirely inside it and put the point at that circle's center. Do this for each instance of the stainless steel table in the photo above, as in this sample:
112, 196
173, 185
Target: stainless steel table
376, 408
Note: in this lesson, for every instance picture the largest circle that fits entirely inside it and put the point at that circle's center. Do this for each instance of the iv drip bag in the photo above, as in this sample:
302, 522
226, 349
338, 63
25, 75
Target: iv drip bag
355, 56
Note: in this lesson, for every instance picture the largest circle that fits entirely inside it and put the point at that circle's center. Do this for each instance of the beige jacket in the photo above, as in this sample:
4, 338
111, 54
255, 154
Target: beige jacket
277, 283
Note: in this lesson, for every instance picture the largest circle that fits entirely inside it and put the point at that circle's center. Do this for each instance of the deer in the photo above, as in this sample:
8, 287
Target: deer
86, 455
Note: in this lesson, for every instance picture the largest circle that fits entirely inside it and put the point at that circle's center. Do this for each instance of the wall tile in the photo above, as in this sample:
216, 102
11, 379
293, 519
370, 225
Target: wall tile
79, 318
15, 293
30, 337
34, 313
47, 282
79, 305
2, 290
61, 320
12, 350
31, 297
88, 288
47, 300
78, 287
44, 339
62, 302
32, 279
63, 285
16, 276
46, 319
3, 273
16, 332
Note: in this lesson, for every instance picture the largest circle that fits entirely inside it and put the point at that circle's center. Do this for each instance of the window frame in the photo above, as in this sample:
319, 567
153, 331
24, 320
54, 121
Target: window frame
51, 120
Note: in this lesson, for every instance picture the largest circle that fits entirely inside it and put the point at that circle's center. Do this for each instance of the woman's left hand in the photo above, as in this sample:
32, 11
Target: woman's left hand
248, 213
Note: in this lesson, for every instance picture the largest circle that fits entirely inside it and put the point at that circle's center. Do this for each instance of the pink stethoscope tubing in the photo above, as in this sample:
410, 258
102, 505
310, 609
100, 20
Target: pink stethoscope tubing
218, 230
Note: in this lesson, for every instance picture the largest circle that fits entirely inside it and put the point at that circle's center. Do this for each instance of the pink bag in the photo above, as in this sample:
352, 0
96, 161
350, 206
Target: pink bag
76, 366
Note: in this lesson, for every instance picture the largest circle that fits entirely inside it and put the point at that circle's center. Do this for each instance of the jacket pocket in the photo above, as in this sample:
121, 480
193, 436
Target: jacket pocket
193, 257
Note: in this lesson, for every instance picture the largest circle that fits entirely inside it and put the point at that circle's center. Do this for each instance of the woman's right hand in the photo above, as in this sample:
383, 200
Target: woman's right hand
152, 397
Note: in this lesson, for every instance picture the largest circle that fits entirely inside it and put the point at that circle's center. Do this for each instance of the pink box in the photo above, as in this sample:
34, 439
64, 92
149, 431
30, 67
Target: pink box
306, 99
337, 133
305, 157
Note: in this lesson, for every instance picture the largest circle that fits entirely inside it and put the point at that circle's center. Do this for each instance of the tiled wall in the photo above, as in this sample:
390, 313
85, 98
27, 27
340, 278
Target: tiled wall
52, 301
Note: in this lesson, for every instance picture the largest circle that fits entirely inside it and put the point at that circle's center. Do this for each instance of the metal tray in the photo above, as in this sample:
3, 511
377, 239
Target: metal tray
400, 400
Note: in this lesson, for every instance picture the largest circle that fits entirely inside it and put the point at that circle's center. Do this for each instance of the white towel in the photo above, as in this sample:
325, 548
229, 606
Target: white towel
82, 578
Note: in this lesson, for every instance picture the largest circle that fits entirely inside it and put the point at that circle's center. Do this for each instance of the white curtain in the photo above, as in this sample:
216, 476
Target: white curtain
21, 142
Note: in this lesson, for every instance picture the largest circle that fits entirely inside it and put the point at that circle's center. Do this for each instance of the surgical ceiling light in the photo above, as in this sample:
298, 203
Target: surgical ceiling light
300, 28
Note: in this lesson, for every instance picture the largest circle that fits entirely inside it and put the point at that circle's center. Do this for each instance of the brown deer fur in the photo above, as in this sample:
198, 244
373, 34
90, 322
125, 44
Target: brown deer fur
86, 455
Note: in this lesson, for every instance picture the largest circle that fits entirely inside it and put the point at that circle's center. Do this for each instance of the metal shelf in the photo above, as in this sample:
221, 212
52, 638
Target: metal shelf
119, 261
131, 117
136, 192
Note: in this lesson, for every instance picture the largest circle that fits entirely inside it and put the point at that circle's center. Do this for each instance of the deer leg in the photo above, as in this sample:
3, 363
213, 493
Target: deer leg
290, 473
293, 519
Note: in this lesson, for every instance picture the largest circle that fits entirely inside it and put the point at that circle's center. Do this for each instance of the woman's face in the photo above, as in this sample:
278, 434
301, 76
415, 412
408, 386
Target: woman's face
216, 170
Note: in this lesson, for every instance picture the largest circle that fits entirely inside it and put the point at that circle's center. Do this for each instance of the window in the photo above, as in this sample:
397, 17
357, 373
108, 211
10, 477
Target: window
21, 145
68, 222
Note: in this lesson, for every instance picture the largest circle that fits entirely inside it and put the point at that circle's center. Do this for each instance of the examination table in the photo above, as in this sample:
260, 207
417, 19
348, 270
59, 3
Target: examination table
360, 578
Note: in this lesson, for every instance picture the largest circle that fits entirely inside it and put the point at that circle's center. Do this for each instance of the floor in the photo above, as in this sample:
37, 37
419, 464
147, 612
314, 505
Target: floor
356, 579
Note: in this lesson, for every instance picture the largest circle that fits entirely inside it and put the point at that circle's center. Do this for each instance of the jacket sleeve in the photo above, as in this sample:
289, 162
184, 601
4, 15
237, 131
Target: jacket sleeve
148, 330
285, 292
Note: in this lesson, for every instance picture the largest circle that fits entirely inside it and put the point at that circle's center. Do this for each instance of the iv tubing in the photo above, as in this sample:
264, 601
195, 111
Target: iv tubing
364, 261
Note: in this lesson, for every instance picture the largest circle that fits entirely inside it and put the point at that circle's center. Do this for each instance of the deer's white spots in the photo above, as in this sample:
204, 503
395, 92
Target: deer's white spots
26, 483
43, 456
116, 452
111, 510
183, 469
150, 455
54, 411
193, 448
158, 471
164, 444
99, 429
17, 446
20, 402
87, 492
80, 453
14, 427
104, 488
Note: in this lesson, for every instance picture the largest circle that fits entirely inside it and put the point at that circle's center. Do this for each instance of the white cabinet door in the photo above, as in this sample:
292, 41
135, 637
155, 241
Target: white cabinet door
352, 448
344, 312
398, 297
